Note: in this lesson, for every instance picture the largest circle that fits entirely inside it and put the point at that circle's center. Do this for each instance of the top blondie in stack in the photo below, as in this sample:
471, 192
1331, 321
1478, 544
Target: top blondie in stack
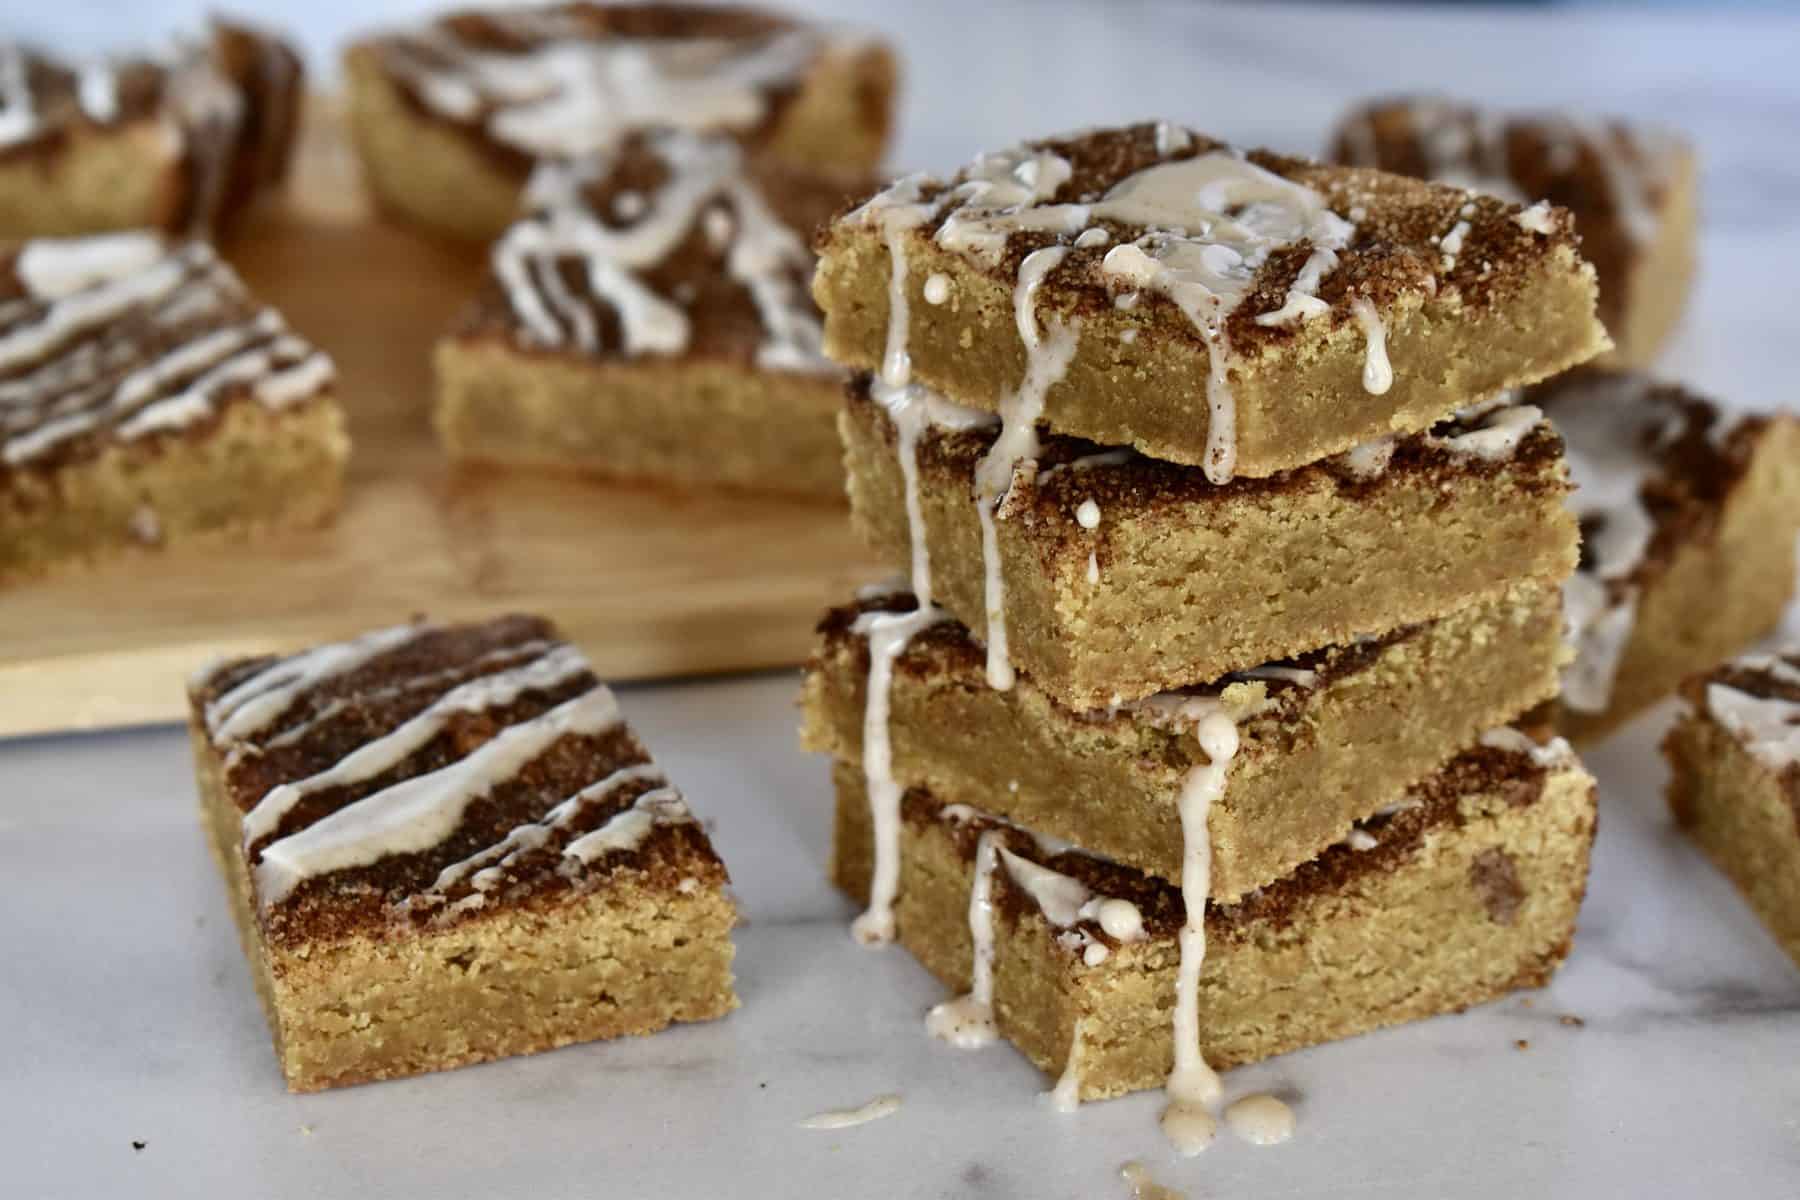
1229, 564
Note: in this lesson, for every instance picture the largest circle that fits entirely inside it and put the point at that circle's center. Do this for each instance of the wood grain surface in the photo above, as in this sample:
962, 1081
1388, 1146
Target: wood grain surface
651, 582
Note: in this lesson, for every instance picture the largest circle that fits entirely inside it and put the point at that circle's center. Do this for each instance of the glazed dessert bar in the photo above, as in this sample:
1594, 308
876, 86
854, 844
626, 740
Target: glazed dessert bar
1325, 740
445, 845
179, 140
1734, 786
450, 116
1153, 288
1106, 576
1467, 890
650, 319
1688, 518
146, 398
1630, 187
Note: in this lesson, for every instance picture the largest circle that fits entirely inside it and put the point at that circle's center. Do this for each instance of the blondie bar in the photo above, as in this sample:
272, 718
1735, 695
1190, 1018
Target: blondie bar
1630, 187
1106, 576
1467, 890
650, 318
1325, 740
147, 398
179, 140
1688, 518
445, 845
1151, 287
450, 116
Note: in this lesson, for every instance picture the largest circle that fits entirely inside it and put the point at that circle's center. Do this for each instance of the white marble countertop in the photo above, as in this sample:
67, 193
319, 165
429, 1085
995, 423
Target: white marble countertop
126, 1013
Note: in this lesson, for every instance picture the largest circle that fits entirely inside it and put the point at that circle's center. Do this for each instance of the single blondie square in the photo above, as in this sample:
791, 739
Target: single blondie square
450, 116
147, 398
649, 318
1325, 740
1150, 287
179, 140
1466, 891
1631, 188
1106, 576
1734, 782
445, 845
1688, 518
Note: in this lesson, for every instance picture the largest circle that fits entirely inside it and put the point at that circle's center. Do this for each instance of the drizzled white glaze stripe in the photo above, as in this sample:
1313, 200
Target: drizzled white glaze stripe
391, 749
627, 830
421, 812
260, 698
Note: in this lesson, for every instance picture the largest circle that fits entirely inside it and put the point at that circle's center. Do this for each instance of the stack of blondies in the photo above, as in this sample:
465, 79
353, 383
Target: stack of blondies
1187, 741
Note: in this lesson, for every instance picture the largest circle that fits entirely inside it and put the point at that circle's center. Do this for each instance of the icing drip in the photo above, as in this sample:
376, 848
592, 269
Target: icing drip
937, 289
1261, 1120
1065, 1097
845, 1118
559, 666
1047, 358
1768, 726
706, 186
18, 116
967, 1022
419, 813
1378, 374
97, 91
563, 90
1087, 515
888, 634
1193, 1087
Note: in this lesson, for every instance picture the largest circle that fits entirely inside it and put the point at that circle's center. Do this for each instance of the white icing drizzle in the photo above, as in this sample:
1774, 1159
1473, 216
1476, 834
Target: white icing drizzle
97, 91
259, 699
1378, 373
419, 813
18, 116
550, 670
1361, 839
1555, 752
661, 805
937, 288
845, 1118
1767, 726
56, 268
1261, 1120
1500, 430
567, 90
1369, 460
1093, 570
1612, 428
1087, 515
967, 1022
1193, 1087
1536, 218
708, 186
1065, 1097
627, 829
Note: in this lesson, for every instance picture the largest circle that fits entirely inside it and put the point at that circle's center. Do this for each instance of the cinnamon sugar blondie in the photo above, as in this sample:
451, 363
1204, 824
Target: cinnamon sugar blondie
180, 140
1734, 782
450, 116
1106, 576
1465, 892
1630, 186
1325, 740
146, 398
650, 319
1689, 516
1151, 287
445, 845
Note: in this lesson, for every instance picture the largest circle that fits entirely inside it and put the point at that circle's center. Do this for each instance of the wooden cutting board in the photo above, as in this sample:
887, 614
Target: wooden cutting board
649, 582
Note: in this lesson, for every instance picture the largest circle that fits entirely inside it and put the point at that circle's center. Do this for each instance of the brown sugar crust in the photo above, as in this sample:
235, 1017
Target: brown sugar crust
1378, 715
1547, 157
1182, 564
1352, 941
1297, 387
834, 115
